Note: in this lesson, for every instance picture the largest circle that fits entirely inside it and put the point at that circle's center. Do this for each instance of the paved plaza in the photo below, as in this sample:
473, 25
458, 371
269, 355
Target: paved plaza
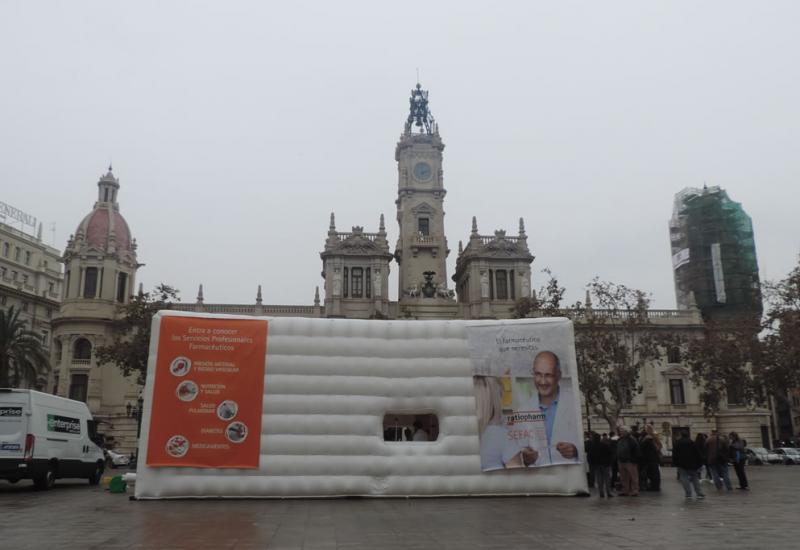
76, 516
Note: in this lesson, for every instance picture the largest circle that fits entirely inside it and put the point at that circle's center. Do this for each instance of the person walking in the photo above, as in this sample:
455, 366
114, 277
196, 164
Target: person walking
599, 456
628, 454
739, 459
718, 453
687, 459
700, 443
651, 458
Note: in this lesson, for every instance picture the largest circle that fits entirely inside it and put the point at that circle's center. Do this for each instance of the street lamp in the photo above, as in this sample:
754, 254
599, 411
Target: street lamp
140, 402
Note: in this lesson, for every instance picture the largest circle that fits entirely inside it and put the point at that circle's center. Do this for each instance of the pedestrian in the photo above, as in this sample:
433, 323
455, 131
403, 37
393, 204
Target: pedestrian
628, 455
687, 459
717, 455
612, 443
739, 458
587, 443
700, 443
651, 458
599, 456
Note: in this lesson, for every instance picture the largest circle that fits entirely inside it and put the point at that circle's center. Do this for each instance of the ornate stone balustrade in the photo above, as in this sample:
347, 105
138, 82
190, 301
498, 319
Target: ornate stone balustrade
345, 235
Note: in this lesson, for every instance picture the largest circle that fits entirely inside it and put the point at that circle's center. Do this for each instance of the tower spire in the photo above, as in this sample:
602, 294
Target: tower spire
258, 295
200, 294
474, 225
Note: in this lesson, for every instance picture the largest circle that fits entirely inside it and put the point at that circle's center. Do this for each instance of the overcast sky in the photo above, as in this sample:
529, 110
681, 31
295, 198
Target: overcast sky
235, 128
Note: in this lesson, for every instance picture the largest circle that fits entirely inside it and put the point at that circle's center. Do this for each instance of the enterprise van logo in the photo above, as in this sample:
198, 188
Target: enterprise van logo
10, 413
63, 424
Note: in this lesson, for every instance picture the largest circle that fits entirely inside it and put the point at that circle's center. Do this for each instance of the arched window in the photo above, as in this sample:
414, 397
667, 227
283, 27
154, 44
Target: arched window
83, 349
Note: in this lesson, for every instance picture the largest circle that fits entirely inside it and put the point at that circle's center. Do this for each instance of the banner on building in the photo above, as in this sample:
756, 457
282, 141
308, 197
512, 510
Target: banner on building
528, 405
208, 393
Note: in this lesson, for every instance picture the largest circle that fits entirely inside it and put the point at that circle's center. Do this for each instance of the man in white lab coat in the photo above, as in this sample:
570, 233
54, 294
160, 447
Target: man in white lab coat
556, 403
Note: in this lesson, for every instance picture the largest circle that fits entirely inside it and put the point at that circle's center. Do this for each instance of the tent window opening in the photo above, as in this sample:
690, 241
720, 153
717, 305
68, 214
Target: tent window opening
410, 428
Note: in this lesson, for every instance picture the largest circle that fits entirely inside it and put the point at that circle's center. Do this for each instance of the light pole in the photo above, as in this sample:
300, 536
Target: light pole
140, 402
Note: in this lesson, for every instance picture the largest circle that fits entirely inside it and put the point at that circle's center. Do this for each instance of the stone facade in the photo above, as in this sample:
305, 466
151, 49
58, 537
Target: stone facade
355, 267
30, 282
492, 271
100, 274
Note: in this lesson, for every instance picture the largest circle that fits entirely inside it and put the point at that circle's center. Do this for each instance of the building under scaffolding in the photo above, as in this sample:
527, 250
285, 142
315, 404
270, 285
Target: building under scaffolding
714, 254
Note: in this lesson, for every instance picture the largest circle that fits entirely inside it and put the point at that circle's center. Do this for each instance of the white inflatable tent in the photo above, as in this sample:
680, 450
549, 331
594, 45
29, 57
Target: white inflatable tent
328, 385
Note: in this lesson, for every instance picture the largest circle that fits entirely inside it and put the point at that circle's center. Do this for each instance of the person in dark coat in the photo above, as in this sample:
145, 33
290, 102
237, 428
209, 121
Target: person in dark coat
718, 454
739, 458
599, 457
628, 455
687, 459
651, 459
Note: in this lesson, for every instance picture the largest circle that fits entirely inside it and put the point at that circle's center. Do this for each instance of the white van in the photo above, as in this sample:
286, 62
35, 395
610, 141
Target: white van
44, 437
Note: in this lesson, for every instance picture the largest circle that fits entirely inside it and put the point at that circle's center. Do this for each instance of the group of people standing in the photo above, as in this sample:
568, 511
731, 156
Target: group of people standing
713, 452
631, 461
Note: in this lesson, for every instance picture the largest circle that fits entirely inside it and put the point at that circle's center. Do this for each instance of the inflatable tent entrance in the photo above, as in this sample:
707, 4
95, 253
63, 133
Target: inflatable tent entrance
268, 407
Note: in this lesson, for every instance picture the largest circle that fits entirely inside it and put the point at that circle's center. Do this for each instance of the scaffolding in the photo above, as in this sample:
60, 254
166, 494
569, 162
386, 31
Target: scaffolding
714, 254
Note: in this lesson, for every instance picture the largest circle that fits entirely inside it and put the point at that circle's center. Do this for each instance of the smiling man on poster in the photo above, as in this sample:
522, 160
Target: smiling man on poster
556, 402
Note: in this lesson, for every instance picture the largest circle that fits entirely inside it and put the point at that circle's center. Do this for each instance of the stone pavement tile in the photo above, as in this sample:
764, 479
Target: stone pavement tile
79, 517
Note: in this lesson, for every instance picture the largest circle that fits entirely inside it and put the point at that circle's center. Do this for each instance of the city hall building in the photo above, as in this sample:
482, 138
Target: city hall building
492, 271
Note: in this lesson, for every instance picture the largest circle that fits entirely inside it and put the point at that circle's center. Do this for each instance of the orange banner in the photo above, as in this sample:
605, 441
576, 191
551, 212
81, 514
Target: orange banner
209, 389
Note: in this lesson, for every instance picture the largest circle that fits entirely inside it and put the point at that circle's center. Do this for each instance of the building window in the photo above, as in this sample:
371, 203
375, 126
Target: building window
25, 306
358, 282
511, 284
90, 285
59, 350
674, 355
423, 225
27, 257
735, 393
368, 283
55, 384
491, 284
66, 284
17, 253
3, 272
45, 338
14, 276
122, 281
346, 282
3, 299
78, 387
51, 287
676, 395
82, 350
6, 250
501, 284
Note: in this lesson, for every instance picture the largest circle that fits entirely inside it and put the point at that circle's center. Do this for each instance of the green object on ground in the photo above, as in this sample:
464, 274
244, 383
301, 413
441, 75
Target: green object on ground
117, 485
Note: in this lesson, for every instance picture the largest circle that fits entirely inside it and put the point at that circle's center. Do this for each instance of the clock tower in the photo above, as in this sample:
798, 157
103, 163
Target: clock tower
421, 251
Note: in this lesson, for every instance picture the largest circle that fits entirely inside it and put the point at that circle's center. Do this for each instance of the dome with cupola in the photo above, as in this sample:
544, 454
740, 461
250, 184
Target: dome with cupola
104, 229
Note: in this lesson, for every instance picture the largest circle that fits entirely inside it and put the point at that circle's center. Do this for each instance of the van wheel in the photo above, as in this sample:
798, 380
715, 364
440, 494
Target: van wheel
46, 480
94, 479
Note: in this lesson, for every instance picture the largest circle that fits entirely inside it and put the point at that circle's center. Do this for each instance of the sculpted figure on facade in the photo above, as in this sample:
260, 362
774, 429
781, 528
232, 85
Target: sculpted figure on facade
337, 282
526, 285
376, 284
484, 284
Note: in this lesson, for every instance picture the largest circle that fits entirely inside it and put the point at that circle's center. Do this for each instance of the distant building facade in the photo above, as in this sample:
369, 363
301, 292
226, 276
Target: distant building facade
30, 276
100, 275
492, 272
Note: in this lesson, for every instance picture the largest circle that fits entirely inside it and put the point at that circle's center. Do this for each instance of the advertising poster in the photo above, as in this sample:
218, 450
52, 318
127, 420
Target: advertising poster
208, 393
526, 395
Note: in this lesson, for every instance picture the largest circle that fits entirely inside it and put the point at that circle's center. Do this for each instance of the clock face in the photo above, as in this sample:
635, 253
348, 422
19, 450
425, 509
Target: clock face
423, 171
